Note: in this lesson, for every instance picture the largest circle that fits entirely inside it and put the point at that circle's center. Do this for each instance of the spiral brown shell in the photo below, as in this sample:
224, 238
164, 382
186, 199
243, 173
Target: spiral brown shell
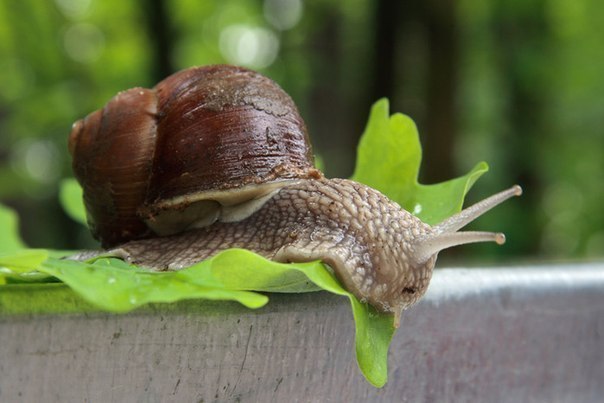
204, 129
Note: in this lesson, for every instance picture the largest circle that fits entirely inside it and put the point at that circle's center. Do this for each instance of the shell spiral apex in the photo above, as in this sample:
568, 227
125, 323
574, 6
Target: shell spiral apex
199, 131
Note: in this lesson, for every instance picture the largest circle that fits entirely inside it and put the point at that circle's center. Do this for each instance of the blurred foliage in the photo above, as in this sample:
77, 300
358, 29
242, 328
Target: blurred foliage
515, 83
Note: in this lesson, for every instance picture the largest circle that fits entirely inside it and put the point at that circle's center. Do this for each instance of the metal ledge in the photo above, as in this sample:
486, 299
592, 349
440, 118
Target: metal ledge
506, 334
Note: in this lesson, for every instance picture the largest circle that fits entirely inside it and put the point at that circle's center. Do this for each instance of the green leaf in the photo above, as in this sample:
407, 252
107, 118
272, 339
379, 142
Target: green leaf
70, 196
434, 203
16, 262
240, 269
23, 261
388, 159
9, 231
118, 287
23, 266
373, 334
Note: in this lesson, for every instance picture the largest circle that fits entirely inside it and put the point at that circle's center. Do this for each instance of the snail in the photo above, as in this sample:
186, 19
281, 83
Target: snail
218, 157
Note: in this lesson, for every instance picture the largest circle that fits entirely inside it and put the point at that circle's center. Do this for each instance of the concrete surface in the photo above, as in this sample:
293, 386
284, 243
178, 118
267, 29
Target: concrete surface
526, 334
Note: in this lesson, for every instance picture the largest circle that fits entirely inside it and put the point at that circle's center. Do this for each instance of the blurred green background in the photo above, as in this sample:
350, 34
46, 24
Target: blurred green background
517, 83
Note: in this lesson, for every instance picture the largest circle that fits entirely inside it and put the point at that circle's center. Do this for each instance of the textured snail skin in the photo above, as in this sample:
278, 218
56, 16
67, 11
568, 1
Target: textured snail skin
366, 239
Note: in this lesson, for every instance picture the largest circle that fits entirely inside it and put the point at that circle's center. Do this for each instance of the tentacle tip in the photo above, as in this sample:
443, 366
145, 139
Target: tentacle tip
397, 321
500, 238
398, 312
517, 190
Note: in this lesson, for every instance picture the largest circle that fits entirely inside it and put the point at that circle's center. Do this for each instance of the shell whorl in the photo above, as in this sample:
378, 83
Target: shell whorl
201, 130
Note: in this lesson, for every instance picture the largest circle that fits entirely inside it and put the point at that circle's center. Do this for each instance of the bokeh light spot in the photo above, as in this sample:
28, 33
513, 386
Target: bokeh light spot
253, 47
38, 160
74, 9
83, 42
283, 14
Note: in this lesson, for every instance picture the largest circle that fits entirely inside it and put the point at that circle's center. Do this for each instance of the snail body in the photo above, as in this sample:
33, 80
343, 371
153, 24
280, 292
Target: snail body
284, 210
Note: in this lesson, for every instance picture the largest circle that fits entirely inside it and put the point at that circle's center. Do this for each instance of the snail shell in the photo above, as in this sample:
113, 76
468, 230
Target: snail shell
158, 161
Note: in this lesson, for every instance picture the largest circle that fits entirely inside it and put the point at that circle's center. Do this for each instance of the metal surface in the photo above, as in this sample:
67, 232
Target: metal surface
500, 335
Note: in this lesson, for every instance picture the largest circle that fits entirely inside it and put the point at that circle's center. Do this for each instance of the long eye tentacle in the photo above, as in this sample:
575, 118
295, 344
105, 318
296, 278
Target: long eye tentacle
467, 215
447, 234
